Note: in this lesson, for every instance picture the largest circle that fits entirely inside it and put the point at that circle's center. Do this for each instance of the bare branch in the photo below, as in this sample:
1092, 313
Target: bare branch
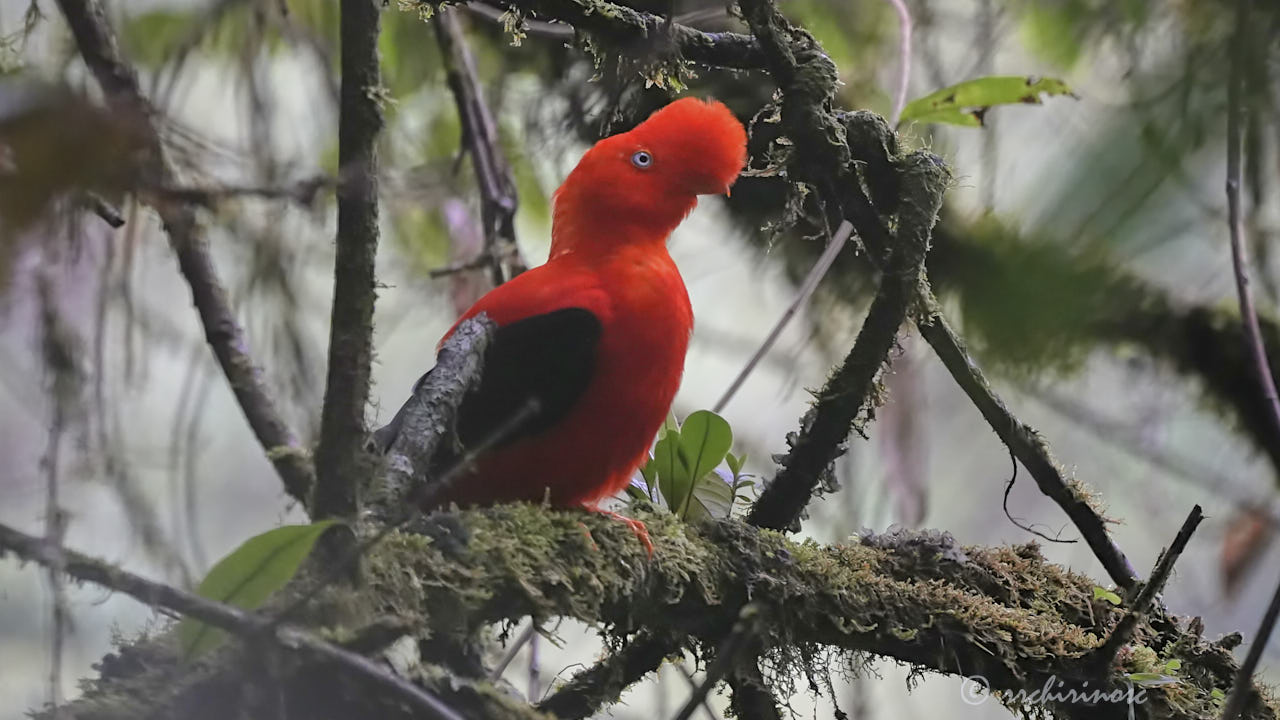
605, 681
498, 199
246, 625
96, 42
727, 654
1026, 444
1242, 690
63, 379
1104, 656
340, 457
805, 291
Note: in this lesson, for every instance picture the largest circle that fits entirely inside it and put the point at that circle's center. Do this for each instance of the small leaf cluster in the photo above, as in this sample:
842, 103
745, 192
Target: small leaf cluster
685, 475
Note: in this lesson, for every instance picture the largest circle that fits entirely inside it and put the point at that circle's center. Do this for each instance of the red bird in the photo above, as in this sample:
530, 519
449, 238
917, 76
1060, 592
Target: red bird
598, 335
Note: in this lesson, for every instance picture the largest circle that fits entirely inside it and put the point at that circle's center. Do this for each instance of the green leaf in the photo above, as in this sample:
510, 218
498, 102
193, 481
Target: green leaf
247, 577
968, 102
712, 498
1217, 694
705, 438
673, 475
635, 493
1101, 593
1173, 666
1150, 679
735, 463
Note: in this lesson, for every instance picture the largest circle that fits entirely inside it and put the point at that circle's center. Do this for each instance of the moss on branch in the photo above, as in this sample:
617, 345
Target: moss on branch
1003, 613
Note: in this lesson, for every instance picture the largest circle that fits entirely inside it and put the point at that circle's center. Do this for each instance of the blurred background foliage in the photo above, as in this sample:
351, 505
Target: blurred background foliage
1082, 252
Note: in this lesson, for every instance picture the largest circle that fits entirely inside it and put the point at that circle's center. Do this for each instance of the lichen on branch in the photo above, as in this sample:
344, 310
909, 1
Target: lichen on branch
920, 598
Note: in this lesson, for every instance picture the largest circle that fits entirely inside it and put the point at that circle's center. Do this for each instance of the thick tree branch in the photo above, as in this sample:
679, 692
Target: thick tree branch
498, 199
96, 43
1002, 613
340, 457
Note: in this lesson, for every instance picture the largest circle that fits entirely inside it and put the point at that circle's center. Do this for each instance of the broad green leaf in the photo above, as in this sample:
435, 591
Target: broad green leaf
966, 103
705, 438
712, 497
673, 475
1173, 666
246, 578
1101, 593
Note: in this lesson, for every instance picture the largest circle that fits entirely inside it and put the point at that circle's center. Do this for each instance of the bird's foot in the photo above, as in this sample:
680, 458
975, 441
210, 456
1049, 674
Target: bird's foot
637, 527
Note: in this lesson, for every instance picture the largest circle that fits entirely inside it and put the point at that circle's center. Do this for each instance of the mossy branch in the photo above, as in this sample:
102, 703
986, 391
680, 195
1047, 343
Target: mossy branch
851, 390
1002, 613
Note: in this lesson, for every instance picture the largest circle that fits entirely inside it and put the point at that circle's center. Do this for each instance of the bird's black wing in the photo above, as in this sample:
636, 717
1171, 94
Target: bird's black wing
548, 359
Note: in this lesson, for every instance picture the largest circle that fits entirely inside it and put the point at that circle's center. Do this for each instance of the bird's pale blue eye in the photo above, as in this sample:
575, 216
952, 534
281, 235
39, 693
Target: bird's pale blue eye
642, 159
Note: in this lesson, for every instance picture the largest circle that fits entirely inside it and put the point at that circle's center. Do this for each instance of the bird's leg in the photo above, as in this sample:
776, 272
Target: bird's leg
636, 526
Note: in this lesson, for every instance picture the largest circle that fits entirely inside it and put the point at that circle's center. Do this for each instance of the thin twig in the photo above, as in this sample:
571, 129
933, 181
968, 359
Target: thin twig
525, 636
1242, 687
340, 457
61, 380
245, 625
303, 192
697, 688
807, 288
1103, 657
744, 629
498, 199
904, 59
105, 210
604, 681
1025, 443
479, 262
96, 42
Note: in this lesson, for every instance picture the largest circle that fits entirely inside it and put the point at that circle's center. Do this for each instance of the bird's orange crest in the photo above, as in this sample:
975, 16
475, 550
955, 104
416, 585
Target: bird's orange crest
638, 185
